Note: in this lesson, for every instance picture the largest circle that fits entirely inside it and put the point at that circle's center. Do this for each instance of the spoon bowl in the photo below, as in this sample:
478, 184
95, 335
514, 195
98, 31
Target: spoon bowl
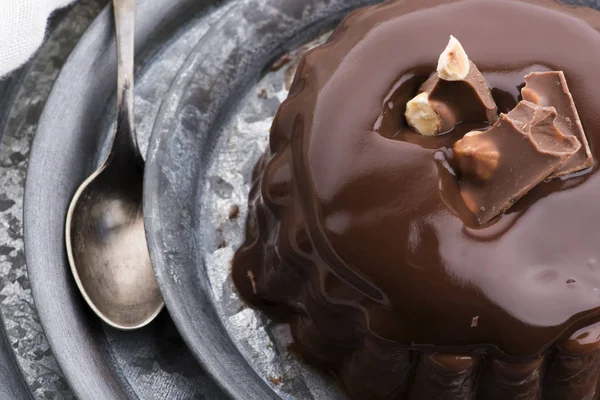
108, 251
105, 238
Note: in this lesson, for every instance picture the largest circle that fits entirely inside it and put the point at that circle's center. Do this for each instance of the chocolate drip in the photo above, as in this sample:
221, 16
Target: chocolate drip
512, 381
384, 371
573, 374
445, 376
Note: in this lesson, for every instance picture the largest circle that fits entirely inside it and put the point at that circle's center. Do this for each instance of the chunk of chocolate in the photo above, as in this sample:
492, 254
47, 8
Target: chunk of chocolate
468, 100
551, 89
500, 165
456, 93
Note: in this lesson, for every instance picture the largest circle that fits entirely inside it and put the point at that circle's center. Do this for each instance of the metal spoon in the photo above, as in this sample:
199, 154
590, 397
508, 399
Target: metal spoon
106, 244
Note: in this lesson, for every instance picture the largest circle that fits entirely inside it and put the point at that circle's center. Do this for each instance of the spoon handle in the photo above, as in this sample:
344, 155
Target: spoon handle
125, 140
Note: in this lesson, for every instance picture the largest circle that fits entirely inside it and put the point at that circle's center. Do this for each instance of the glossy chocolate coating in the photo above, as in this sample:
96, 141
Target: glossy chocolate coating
357, 228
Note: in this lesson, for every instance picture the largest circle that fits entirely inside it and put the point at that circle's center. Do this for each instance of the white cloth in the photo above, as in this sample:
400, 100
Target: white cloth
22, 29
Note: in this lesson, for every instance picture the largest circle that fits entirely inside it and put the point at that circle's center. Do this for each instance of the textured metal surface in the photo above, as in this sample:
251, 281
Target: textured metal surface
212, 128
241, 141
29, 90
100, 362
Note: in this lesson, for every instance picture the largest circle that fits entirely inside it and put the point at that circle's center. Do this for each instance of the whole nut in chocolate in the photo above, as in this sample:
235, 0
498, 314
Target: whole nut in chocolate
476, 158
453, 64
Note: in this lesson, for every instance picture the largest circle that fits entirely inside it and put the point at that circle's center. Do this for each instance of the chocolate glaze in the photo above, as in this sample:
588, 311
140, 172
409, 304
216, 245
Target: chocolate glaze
357, 234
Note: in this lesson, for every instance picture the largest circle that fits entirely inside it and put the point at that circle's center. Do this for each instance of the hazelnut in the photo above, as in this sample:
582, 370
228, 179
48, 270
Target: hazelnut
421, 116
477, 158
453, 64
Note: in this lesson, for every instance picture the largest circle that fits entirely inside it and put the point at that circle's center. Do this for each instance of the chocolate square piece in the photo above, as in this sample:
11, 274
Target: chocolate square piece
550, 89
499, 166
466, 100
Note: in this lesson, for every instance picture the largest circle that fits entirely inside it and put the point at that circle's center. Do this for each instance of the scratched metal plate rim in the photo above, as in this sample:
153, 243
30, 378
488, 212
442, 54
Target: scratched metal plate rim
97, 361
13, 384
183, 231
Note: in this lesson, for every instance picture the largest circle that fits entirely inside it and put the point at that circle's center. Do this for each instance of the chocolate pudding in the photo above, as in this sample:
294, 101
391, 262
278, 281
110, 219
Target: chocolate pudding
362, 232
